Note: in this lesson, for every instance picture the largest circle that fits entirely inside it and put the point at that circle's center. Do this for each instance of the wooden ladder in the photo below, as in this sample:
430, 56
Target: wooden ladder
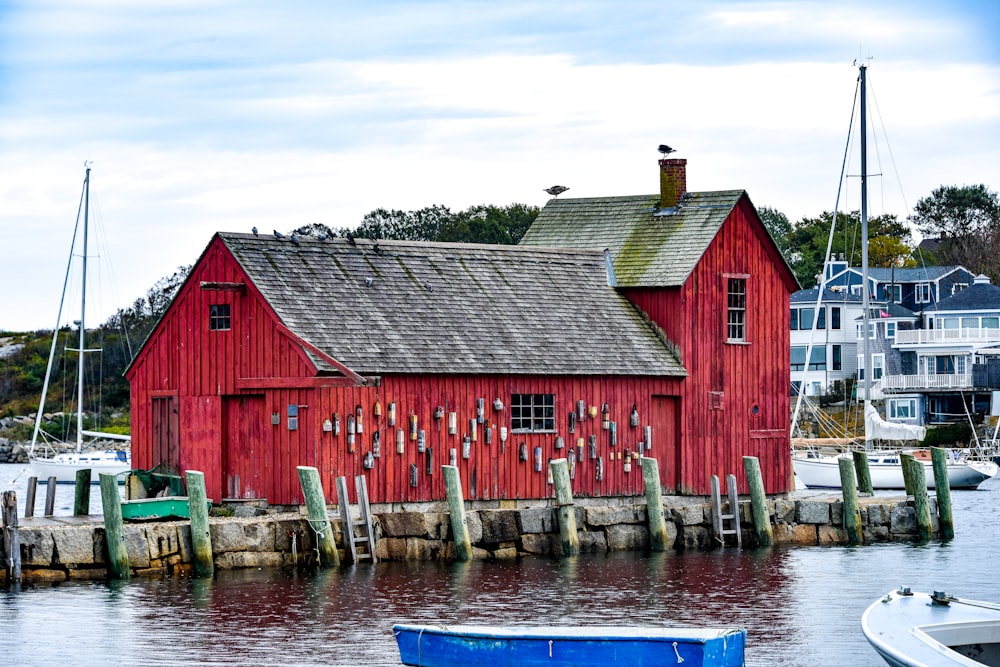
363, 546
729, 523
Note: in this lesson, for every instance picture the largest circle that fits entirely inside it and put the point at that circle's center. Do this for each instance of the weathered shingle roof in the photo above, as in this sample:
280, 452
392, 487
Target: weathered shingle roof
650, 247
980, 296
920, 274
453, 308
829, 296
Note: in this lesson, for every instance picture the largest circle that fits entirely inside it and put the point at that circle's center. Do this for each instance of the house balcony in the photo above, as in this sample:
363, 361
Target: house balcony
939, 382
946, 336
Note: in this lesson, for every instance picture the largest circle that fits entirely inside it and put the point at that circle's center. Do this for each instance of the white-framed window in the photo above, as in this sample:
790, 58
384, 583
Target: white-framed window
991, 323
890, 329
958, 287
736, 309
902, 408
894, 293
923, 293
837, 354
835, 317
878, 366
532, 413
970, 322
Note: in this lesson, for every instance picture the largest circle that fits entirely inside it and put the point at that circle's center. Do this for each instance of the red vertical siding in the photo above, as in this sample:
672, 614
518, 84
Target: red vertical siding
228, 385
755, 374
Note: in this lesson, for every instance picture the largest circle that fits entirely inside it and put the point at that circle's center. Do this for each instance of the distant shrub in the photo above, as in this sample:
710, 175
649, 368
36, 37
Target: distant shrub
947, 435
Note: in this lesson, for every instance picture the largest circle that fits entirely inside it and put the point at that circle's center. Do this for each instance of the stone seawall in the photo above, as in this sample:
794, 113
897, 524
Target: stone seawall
59, 548
12, 451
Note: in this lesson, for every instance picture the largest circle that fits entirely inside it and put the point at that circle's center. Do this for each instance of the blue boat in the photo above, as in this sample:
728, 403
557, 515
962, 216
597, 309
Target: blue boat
910, 629
579, 646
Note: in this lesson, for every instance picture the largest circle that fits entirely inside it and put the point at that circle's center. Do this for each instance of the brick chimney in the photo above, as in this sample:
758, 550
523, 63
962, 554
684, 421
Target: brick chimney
673, 181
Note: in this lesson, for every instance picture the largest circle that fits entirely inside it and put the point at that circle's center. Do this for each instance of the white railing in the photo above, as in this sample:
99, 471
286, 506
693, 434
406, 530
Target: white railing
939, 336
918, 382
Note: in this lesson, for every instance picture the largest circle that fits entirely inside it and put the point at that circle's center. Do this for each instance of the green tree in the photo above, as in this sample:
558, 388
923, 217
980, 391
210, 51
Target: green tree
504, 225
889, 237
778, 227
966, 223
483, 223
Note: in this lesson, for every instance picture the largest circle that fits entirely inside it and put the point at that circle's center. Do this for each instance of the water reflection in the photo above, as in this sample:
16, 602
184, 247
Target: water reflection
800, 605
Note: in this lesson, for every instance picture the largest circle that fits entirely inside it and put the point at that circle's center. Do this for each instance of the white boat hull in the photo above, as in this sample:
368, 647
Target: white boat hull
824, 473
916, 629
64, 466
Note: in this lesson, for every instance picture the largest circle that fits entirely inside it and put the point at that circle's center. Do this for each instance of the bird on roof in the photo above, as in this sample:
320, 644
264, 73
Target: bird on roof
254, 230
556, 190
377, 248
350, 238
368, 281
666, 150
294, 238
322, 237
278, 235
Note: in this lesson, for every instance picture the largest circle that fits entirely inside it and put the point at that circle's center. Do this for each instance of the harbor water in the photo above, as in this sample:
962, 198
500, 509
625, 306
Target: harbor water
800, 605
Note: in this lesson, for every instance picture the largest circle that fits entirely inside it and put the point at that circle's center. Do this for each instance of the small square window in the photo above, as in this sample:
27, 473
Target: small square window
218, 317
533, 412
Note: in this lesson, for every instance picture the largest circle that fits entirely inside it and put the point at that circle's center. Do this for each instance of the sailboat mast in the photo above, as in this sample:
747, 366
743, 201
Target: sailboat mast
83, 314
865, 300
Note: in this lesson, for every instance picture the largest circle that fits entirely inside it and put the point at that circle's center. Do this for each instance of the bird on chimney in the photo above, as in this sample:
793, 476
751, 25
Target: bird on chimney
666, 150
556, 190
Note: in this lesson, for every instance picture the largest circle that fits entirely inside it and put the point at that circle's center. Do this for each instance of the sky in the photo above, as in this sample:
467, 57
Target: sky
204, 116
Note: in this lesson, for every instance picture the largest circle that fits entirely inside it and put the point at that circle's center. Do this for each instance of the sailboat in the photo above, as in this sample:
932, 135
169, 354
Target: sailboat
64, 466
885, 466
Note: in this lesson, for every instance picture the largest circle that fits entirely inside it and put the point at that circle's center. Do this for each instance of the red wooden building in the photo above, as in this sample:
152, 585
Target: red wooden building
704, 269
391, 358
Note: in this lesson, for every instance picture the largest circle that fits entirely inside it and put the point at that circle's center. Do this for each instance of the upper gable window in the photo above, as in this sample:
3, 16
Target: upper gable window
923, 293
218, 317
736, 309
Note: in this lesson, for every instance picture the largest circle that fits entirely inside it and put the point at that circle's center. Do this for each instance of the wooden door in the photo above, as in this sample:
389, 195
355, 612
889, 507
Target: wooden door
245, 451
667, 441
166, 434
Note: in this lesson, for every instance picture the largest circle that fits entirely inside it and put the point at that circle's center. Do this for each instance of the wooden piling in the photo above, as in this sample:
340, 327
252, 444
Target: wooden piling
654, 504
758, 501
11, 537
921, 504
50, 496
852, 510
864, 474
319, 518
81, 495
456, 507
942, 490
908, 482
29, 500
114, 528
201, 536
568, 537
